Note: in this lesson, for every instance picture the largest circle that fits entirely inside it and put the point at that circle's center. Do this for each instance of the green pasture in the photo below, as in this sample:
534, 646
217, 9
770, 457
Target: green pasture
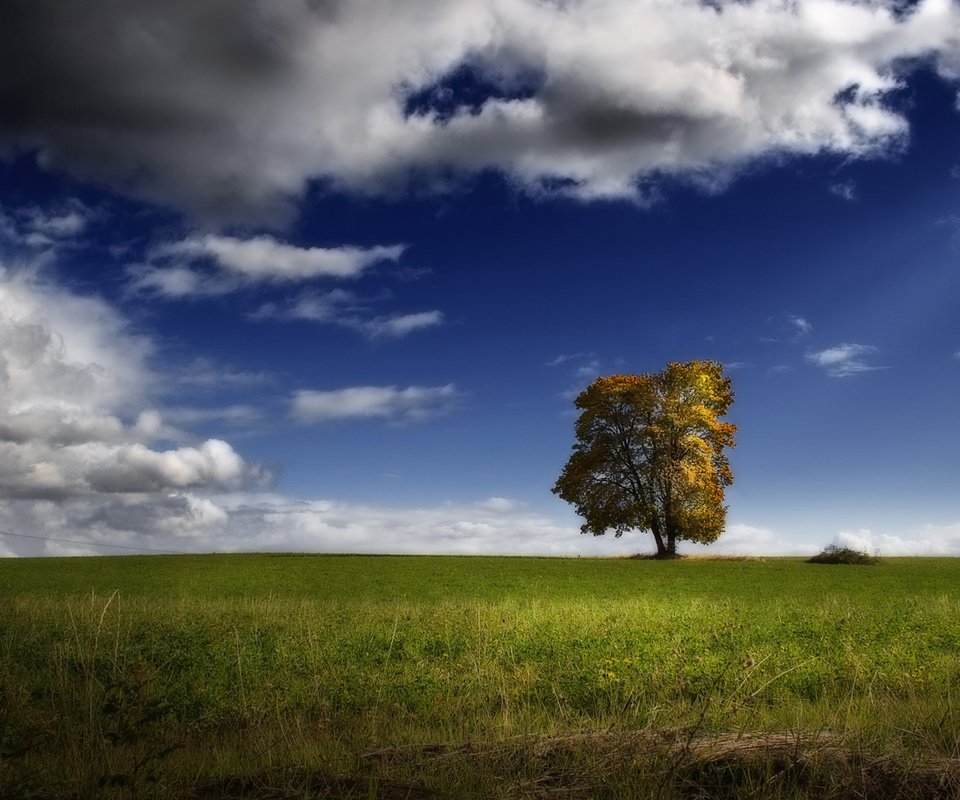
330, 676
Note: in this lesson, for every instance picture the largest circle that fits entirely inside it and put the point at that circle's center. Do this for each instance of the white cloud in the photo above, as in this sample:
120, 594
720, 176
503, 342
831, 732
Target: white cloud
345, 309
500, 504
844, 360
236, 414
236, 105
845, 190
44, 229
927, 540
589, 370
75, 418
177, 269
205, 373
184, 521
137, 468
952, 223
398, 325
177, 282
65, 222
790, 328
79, 454
168, 521
490, 527
264, 258
379, 402
583, 369
741, 539
801, 325
563, 358
183, 269
324, 307
59, 350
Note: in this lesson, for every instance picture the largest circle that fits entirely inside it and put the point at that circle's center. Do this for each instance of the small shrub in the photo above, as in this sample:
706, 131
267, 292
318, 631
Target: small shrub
835, 554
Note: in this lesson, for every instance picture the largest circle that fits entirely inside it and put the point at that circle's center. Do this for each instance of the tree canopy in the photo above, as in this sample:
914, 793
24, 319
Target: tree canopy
650, 454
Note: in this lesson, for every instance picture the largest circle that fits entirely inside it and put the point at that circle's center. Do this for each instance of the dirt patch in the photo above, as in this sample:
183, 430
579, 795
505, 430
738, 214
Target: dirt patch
682, 765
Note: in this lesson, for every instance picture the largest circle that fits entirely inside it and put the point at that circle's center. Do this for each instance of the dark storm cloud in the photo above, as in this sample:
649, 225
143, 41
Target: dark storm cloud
139, 93
226, 108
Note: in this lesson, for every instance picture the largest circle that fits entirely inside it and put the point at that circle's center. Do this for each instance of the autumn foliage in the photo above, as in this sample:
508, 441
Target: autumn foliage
650, 454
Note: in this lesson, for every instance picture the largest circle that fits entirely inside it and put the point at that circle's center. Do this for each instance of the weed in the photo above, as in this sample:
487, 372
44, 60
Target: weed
133, 725
835, 554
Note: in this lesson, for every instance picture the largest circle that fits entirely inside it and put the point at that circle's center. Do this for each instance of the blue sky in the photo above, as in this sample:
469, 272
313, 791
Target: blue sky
324, 276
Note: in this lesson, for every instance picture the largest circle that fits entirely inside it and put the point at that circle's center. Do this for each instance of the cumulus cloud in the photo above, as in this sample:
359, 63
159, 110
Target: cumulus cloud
167, 520
844, 360
62, 351
76, 425
181, 268
137, 468
229, 108
494, 526
927, 540
187, 522
108, 524
378, 402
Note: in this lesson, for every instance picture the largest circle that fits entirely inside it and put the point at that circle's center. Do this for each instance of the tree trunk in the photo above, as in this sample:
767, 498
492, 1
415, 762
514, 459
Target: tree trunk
658, 538
669, 528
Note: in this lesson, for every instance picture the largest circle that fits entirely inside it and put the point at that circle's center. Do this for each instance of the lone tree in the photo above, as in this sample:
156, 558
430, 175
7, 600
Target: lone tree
650, 454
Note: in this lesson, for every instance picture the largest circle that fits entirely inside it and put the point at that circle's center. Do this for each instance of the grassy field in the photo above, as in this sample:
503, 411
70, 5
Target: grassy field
278, 676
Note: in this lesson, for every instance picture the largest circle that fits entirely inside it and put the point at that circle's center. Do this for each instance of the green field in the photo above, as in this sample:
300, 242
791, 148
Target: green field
360, 676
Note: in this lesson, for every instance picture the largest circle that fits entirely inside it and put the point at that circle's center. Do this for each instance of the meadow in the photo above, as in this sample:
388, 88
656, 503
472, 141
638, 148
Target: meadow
282, 676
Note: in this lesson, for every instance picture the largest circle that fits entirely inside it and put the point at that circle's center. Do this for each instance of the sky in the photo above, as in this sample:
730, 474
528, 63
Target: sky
317, 275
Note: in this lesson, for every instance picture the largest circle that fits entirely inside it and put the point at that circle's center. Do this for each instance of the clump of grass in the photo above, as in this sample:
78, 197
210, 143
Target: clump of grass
835, 554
